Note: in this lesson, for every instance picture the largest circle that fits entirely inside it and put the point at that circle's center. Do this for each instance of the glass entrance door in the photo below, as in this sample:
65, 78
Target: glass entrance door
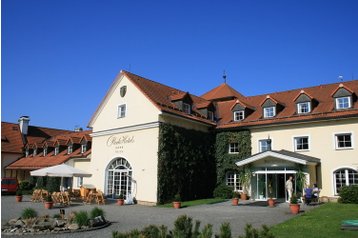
119, 179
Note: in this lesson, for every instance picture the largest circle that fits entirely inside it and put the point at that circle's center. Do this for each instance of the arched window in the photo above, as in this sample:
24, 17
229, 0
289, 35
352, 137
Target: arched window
344, 177
119, 178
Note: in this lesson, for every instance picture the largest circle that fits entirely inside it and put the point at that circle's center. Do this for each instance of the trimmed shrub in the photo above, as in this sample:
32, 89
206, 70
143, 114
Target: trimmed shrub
81, 218
25, 185
223, 191
349, 194
96, 211
28, 213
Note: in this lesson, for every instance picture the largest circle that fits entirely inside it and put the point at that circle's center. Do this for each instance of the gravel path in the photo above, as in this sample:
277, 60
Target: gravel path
126, 218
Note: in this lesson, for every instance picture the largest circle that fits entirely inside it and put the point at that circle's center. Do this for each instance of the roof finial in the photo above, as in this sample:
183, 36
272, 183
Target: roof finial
224, 76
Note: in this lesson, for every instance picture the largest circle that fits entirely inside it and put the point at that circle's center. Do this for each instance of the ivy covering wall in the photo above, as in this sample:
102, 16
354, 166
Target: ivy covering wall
226, 162
186, 163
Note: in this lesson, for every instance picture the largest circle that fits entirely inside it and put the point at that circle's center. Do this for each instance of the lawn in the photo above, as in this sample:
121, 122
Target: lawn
196, 202
324, 222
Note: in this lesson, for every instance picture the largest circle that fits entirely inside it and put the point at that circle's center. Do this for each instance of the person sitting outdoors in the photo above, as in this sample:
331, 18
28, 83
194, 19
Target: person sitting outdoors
308, 195
315, 192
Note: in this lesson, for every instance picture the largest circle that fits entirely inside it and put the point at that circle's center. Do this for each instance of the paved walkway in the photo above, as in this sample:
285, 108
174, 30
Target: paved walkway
126, 218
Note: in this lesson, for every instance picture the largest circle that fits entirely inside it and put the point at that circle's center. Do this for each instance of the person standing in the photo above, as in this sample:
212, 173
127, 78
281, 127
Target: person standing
289, 187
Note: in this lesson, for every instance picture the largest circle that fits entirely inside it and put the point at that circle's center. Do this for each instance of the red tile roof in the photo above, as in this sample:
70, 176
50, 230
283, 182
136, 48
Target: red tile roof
40, 161
11, 138
325, 108
161, 96
221, 93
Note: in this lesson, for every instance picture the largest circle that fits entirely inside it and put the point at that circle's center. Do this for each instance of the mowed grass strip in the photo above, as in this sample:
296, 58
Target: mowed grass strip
196, 202
324, 221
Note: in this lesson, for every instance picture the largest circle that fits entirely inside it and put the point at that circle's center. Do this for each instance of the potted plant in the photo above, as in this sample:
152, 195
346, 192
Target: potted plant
245, 178
270, 200
177, 201
48, 202
294, 206
18, 196
120, 200
235, 198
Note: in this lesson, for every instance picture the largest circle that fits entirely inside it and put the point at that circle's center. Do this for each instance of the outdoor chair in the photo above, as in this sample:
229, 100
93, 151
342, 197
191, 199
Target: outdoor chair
100, 197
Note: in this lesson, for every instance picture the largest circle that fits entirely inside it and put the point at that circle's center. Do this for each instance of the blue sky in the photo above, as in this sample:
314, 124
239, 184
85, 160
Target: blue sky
59, 57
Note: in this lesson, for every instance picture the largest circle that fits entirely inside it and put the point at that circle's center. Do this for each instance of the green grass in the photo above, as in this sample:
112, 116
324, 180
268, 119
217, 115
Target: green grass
196, 202
321, 222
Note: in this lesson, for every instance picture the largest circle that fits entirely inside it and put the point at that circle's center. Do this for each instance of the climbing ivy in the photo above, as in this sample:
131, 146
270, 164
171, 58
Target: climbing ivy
186, 163
226, 162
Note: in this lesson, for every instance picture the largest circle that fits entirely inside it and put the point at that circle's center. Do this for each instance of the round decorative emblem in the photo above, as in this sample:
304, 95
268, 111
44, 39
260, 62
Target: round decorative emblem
123, 91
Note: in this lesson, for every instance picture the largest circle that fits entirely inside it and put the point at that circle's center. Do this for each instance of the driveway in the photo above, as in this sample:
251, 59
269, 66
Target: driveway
126, 218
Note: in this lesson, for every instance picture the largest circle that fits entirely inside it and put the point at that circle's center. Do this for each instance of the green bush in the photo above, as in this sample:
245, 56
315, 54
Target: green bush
257, 233
25, 185
28, 213
53, 184
225, 231
223, 191
81, 218
183, 226
349, 194
96, 211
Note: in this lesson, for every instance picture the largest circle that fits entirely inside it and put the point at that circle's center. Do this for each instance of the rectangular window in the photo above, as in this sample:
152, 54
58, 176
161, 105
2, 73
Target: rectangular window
83, 148
343, 103
343, 141
35, 152
304, 107
69, 149
79, 181
186, 108
45, 151
57, 150
232, 180
265, 145
239, 115
269, 112
121, 111
211, 115
301, 143
233, 148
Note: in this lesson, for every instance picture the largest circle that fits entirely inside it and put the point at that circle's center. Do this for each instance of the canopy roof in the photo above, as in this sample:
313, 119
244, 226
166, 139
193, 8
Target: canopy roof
62, 170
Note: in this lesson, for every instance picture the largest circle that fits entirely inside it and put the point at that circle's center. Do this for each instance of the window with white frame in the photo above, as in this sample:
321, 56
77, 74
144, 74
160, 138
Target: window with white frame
27, 152
45, 151
79, 181
83, 148
70, 149
232, 180
343, 141
264, 145
233, 148
186, 108
269, 112
239, 115
343, 102
122, 111
344, 177
57, 150
303, 107
301, 143
35, 152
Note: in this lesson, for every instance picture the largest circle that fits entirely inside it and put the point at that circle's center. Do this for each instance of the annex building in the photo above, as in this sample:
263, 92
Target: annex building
151, 141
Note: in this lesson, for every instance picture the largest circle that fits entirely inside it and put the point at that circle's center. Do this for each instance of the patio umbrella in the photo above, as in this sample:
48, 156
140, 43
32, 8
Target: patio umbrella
62, 170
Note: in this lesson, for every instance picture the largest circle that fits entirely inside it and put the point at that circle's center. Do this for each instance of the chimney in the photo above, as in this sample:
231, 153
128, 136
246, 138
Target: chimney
24, 124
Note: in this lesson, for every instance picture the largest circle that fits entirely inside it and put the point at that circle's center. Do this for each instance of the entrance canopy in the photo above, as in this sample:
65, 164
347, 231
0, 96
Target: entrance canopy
281, 155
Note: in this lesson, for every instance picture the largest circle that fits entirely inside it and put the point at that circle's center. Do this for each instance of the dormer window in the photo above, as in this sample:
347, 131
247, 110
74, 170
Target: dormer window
269, 112
239, 115
69, 149
211, 115
27, 152
186, 108
45, 151
35, 152
57, 150
303, 107
343, 103
83, 148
